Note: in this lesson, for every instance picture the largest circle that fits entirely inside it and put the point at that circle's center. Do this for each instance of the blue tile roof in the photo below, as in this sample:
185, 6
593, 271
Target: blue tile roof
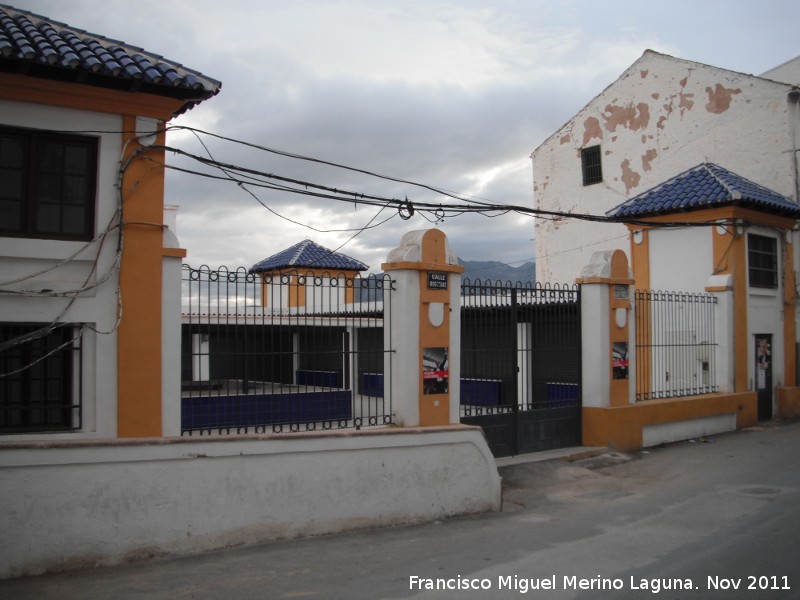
308, 255
34, 45
705, 186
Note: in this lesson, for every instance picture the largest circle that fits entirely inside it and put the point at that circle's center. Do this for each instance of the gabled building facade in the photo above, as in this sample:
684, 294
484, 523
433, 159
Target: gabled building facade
85, 342
662, 116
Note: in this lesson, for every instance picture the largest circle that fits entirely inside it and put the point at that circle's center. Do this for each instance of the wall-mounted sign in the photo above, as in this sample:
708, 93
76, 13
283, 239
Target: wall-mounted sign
620, 292
437, 280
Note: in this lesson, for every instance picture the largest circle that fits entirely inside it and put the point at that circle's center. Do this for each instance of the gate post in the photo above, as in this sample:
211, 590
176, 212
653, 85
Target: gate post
606, 332
424, 323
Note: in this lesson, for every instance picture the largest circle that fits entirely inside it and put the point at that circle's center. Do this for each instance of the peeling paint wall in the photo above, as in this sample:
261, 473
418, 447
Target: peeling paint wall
661, 117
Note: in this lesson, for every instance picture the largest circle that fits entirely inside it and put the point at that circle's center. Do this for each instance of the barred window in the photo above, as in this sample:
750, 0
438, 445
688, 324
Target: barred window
762, 256
47, 184
591, 165
39, 378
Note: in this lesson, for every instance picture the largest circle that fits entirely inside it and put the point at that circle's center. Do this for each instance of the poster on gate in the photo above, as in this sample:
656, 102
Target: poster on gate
435, 371
620, 360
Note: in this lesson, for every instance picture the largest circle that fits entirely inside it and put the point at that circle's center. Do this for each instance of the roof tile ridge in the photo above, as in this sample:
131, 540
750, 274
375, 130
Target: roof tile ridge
301, 247
713, 169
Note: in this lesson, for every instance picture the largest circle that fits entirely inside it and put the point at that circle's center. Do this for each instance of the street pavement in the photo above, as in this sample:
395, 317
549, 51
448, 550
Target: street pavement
715, 518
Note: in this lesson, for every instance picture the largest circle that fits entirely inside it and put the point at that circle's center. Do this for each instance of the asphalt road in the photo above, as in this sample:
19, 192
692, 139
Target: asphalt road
713, 518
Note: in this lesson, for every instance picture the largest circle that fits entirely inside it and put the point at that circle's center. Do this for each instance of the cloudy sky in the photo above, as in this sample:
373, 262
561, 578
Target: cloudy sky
455, 95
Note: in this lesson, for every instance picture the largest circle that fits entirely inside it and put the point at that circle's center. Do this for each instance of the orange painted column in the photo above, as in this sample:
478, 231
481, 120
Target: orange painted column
619, 304
139, 335
789, 310
789, 394
640, 264
425, 329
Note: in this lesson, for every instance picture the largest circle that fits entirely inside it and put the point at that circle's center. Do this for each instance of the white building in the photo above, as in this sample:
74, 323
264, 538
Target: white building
88, 324
662, 116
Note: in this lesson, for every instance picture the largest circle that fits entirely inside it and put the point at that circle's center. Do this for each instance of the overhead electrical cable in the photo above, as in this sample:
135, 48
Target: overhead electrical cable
248, 176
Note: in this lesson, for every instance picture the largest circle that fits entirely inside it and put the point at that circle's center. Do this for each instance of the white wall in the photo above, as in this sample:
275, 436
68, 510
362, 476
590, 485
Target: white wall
70, 506
665, 433
766, 314
788, 72
660, 118
98, 307
681, 259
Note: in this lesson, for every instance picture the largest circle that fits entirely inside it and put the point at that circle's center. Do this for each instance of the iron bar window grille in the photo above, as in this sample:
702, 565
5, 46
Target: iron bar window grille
40, 377
283, 352
48, 184
675, 344
591, 165
762, 258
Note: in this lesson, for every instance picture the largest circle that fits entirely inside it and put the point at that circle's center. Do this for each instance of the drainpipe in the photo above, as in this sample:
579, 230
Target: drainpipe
794, 116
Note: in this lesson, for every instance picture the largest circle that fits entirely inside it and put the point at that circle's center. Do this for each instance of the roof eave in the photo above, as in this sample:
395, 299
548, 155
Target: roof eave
295, 268
720, 212
190, 96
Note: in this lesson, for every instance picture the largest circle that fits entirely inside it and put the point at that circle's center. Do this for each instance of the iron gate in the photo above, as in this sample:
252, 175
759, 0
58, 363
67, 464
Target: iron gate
521, 365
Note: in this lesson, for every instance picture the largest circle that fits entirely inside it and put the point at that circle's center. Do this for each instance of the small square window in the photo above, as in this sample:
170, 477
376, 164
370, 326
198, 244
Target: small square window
591, 165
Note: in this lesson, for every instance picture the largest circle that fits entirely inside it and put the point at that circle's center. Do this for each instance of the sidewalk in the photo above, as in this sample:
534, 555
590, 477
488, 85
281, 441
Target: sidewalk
570, 454
687, 510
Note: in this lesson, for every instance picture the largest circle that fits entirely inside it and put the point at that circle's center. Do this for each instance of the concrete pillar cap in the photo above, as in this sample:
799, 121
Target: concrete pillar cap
425, 245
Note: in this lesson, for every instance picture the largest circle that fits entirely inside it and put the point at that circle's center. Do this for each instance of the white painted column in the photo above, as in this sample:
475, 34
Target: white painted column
455, 347
171, 330
401, 347
595, 342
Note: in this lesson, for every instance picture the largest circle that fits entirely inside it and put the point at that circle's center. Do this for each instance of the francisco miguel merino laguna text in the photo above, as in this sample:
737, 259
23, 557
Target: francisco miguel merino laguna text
568, 582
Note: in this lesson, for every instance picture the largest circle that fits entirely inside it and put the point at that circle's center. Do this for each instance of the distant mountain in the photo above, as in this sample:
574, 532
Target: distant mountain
492, 270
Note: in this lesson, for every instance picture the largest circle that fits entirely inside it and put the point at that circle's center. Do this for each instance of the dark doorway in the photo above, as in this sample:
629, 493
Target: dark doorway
764, 375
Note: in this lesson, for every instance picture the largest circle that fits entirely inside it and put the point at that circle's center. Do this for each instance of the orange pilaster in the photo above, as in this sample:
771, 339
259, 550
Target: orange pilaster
139, 334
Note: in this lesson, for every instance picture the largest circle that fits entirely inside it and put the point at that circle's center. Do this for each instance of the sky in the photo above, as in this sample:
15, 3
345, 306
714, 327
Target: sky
453, 95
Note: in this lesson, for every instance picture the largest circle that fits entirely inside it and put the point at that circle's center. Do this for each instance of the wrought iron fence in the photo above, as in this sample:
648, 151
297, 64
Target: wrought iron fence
520, 347
675, 344
290, 351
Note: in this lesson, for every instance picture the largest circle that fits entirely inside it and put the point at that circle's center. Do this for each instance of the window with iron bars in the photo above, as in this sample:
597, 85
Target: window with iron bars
47, 184
762, 258
675, 344
40, 382
591, 165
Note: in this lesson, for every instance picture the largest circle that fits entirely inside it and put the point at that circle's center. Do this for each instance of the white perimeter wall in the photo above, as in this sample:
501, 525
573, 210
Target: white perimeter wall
20, 257
84, 504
